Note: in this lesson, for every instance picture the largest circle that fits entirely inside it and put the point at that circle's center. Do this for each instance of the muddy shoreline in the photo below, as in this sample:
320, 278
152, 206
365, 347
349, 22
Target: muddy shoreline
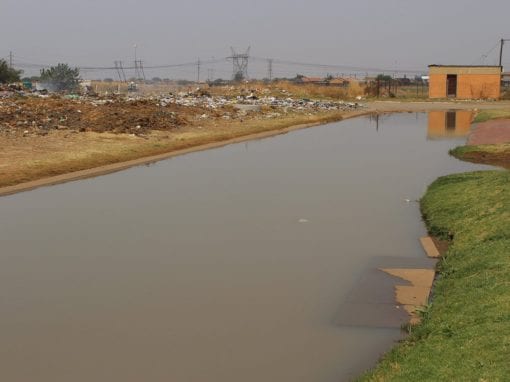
377, 107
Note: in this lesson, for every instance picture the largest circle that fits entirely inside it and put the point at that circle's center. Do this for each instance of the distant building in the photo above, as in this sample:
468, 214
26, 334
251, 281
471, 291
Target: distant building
505, 80
343, 82
310, 80
464, 82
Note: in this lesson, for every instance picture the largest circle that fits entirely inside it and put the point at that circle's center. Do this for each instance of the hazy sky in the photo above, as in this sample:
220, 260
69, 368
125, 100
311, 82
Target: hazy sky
401, 34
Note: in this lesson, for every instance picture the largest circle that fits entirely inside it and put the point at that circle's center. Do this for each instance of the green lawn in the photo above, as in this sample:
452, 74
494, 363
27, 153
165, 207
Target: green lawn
465, 333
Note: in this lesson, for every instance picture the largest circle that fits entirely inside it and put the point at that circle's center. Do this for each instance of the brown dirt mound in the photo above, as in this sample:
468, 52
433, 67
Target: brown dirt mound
38, 115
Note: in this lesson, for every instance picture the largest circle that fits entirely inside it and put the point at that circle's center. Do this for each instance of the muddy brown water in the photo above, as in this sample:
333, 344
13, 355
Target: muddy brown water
224, 265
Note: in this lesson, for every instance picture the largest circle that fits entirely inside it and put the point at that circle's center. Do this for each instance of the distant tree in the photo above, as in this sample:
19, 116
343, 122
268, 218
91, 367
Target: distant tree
108, 80
156, 79
61, 77
383, 77
8, 74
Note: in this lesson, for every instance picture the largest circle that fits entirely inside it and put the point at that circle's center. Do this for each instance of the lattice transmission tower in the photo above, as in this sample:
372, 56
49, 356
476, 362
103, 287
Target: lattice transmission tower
240, 64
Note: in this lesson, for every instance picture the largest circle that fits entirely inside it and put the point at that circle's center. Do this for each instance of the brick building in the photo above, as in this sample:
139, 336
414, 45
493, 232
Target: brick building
464, 82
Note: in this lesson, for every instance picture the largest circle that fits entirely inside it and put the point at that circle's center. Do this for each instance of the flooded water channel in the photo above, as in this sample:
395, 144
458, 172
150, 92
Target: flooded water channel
224, 265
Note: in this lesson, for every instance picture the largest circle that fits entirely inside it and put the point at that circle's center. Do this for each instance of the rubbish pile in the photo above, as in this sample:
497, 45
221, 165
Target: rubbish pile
214, 102
36, 113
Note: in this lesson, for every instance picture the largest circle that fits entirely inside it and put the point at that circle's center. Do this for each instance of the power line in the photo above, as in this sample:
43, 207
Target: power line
484, 56
239, 65
336, 66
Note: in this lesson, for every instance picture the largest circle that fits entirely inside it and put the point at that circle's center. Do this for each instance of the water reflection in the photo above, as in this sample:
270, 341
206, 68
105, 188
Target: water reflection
449, 124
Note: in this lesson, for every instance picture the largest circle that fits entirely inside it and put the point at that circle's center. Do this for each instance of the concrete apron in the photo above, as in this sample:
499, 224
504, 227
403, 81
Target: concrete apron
392, 291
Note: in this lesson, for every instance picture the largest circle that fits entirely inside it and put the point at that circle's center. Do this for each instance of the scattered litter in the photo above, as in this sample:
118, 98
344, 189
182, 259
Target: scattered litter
40, 111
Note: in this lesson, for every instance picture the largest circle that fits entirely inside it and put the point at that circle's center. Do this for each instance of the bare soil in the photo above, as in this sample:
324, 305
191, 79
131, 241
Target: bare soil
490, 133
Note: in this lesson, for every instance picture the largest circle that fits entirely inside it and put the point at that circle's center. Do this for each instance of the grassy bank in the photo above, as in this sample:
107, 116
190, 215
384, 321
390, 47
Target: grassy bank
465, 333
486, 115
498, 155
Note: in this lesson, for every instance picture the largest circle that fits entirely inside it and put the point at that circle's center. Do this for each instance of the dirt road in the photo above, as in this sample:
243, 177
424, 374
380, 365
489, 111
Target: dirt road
490, 133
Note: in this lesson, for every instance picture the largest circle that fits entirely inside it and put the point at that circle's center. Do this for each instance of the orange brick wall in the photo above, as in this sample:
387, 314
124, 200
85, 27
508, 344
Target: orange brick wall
437, 86
469, 86
478, 86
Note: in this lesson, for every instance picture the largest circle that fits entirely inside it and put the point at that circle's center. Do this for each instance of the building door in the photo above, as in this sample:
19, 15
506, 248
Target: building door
451, 85
451, 120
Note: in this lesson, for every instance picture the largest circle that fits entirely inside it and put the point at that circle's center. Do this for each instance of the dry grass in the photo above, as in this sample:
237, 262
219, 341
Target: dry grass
290, 89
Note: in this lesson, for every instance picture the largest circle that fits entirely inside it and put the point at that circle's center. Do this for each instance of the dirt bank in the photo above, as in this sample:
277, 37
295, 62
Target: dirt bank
33, 161
490, 133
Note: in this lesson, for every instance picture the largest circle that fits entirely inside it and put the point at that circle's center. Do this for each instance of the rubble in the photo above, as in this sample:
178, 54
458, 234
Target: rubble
26, 112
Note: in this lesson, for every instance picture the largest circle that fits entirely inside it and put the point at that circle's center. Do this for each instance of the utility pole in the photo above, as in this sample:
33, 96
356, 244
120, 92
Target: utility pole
137, 72
210, 74
270, 69
117, 68
122, 71
501, 51
140, 67
198, 70
10, 59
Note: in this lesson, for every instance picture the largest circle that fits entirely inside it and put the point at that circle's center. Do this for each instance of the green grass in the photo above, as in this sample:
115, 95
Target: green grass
486, 115
498, 155
465, 333
460, 151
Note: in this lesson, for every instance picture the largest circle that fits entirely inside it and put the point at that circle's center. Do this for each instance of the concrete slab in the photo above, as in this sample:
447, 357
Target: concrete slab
429, 247
412, 295
375, 287
389, 292
417, 277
